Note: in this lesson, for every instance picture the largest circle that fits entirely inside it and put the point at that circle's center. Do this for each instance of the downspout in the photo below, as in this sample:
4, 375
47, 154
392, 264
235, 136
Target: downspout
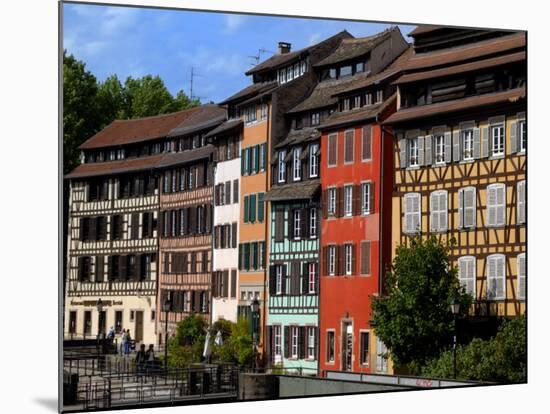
381, 223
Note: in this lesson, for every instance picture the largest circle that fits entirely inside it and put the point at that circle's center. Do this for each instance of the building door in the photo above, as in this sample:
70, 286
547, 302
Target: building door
347, 346
138, 334
118, 321
101, 322
87, 323
72, 322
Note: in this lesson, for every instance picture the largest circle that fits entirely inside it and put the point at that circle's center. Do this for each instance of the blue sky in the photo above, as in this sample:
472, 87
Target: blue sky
135, 41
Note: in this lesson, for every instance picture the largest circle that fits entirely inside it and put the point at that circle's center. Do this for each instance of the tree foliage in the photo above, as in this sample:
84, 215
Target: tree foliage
89, 105
187, 345
502, 358
413, 318
237, 346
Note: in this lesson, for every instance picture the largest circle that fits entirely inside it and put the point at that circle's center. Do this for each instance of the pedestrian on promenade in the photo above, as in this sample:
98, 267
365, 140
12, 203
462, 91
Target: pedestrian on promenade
127, 343
111, 333
150, 354
122, 340
141, 360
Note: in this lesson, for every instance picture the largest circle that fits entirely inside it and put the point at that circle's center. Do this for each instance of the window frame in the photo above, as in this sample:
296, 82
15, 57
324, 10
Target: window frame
439, 149
279, 279
463, 280
522, 131
521, 276
330, 346
311, 272
496, 187
296, 164
419, 213
467, 144
312, 223
313, 160
362, 360
331, 260
365, 198
348, 259
501, 140
294, 352
277, 341
281, 173
348, 200
331, 204
412, 152
297, 229
502, 277
440, 211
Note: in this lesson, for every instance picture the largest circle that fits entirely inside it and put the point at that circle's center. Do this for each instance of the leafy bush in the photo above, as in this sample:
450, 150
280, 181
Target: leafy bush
500, 359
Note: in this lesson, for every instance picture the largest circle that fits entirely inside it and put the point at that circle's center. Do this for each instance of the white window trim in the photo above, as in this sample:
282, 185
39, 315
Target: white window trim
410, 156
277, 341
492, 128
467, 135
331, 208
310, 331
464, 260
440, 211
329, 165
348, 255
293, 342
297, 225
279, 279
367, 362
496, 257
522, 124
437, 137
496, 206
521, 276
331, 260
419, 213
311, 277
281, 174
365, 198
348, 202
313, 161
296, 164
312, 223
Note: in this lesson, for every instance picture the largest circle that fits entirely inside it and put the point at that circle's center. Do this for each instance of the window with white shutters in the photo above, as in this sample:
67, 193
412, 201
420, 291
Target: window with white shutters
332, 201
521, 276
467, 208
413, 152
496, 277
467, 144
412, 213
438, 210
282, 166
496, 205
439, 149
297, 165
521, 202
497, 140
467, 274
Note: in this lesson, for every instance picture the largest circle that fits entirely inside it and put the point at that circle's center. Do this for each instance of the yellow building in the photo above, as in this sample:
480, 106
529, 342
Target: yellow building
460, 140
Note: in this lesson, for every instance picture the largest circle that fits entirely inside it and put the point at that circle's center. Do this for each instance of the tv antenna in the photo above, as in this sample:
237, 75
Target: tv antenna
258, 56
193, 76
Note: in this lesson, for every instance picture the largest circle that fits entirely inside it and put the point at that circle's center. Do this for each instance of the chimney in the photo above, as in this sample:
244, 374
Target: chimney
284, 47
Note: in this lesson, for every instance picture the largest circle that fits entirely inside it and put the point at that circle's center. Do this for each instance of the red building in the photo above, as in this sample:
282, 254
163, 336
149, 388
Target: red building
356, 184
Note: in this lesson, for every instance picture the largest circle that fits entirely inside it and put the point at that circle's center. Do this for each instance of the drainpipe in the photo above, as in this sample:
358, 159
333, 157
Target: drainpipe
381, 222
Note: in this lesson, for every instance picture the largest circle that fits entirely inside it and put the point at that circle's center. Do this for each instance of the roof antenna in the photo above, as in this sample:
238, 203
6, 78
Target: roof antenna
193, 75
258, 56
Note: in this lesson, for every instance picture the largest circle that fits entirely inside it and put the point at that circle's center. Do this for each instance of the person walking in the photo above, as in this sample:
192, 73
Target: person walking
150, 356
122, 340
141, 360
127, 343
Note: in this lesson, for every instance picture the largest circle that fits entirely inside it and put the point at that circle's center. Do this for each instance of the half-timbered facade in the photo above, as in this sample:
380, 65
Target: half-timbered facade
112, 229
186, 216
460, 158
226, 140
356, 181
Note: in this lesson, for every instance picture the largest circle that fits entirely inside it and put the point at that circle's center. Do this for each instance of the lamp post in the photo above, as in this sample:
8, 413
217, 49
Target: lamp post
255, 310
166, 308
455, 308
99, 306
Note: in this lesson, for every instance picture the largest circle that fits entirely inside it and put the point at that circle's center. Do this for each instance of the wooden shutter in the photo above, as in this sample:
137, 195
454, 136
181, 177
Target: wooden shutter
305, 278
324, 260
272, 281
235, 191
477, 144
428, 154
365, 257
123, 267
316, 342
243, 164
234, 234
303, 223
348, 146
284, 279
279, 225
434, 211
135, 226
302, 343
520, 204
92, 228
366, 148
485, 142
225, 282
332, 149
233, 283
324, 203
456, 145
287, 341
246, 219
420, 151
356, 200
501, 202
514, 137
403, 152
99, 268
353, 259
448, 146
339, 201
269, 344
341, 253
261, 206
228, 192
252, 208
290, 224
372, 208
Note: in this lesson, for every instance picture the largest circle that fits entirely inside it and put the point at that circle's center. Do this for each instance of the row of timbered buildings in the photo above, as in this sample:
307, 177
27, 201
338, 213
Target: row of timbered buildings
296, 190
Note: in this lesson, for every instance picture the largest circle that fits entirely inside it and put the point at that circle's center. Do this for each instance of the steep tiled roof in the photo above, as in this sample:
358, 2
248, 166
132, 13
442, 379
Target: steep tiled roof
425, 28
95, 169
207, 116
427, 111
352, 48
226, 126
120, 132
302, 190
250, 91
297, 136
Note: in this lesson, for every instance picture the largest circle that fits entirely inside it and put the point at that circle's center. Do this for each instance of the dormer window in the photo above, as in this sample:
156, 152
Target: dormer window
347, 104
297, 166
379, 96
120, 154
359, 67
250, 114
368, 99
345, 71
332, 73
296, 70
167, 146
156, 148
282, 167
112, 155
357, 101
315, 118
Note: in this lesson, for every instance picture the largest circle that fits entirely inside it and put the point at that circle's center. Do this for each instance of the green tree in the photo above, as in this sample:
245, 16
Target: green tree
81, 118
187, 345
111, 99
413, 317
237, 343
499, 359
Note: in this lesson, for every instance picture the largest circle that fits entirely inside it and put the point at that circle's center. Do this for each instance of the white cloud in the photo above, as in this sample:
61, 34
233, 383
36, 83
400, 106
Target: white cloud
314, 38
116, 19
233, 22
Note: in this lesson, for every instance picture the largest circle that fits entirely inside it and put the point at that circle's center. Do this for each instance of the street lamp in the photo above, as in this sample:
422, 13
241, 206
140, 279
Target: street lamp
99, 306
255, 308
166, 308
455, 308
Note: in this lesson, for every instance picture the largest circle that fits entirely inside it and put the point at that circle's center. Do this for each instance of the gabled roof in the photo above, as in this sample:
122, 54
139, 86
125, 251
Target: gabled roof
302, 190
425, 28
207, 116
225, 127
129, 131
279, 60
355, 47
250, 91
96, 169
297, 136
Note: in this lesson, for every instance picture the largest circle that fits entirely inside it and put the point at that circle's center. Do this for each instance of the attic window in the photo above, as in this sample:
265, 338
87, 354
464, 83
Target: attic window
345, 71
359, 67
332, 73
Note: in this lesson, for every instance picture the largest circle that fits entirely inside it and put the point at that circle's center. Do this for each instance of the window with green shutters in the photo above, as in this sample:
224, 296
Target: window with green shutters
254, 255
252, 208
249, 163
246, 220
256, 157
263, 156
246, 256
243, 162
260, 207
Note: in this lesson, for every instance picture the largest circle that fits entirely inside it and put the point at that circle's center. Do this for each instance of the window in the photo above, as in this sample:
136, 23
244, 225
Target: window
496, 204
348, 200
413, 152
365, 257
87, 322
359, 67
297, 169
521, 277
84, 268
366, 144
467, 208
312, 272
348, 146
412, 213
277, 340
302, 67
496, 276
357, 101
332, 260
250, 114
439, 143
204, 303
467, 144
522, 130
310, 342
297, 224
349, 258
368, 99
381, 358
379, 96
282, 166
332, 73
332, 158
263, 154
332, 201
497, 140
365, 198
72, 322
467, 274
364, 348
345, 71
167, 146
313, 160
312, 223
279, 279
294, 342
438, 210
315, 118
347, 104
263, 111
521, 202
330, 346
